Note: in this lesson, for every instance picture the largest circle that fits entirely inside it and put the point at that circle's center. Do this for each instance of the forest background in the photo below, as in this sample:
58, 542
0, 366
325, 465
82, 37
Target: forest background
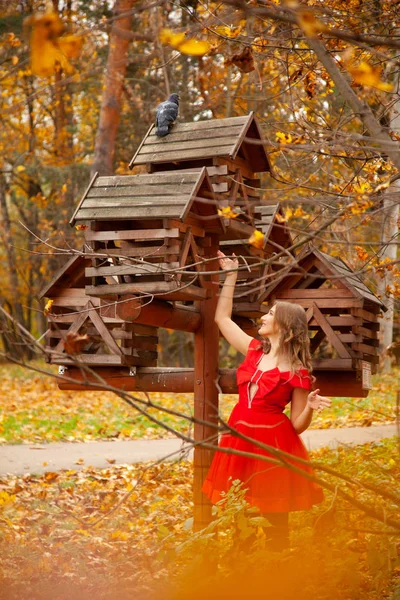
77, 96
60, 123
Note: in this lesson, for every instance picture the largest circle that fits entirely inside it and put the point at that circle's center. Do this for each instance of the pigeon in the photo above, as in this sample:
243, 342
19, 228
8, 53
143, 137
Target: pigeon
166, 114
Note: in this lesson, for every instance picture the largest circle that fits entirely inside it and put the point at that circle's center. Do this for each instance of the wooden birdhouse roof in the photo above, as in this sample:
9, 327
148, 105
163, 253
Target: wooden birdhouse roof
223, 138
319, 266
165, 195
71, 274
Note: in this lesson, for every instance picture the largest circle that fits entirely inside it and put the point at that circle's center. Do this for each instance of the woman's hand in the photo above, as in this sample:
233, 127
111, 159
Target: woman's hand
227, 264
317, 402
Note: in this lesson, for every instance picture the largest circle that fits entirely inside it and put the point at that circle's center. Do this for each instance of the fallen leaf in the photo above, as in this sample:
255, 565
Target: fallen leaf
74, 343
110, 460
80, 461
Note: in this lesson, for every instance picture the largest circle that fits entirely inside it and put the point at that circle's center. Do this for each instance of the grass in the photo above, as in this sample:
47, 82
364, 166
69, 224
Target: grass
33, 409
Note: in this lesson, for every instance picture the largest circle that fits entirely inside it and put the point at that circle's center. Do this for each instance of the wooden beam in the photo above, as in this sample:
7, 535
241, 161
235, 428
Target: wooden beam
181, 381
159, 314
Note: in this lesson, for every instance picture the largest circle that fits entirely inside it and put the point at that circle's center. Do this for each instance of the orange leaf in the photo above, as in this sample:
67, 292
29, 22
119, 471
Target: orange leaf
74, 343
365, 74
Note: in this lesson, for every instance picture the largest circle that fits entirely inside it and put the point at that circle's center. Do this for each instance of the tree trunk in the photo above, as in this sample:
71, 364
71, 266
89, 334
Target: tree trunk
389, 241
12, 344
111, 104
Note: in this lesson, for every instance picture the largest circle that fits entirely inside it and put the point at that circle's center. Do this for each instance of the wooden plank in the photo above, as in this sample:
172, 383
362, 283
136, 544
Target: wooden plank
368, 333
72, 220
189, 223
102, 329
181, 155
167, 289
234, 164
129, 201
145, 268
335, 364
138, 191
212, 171
324, 303
212, 124
330, 334
201, 145
102, 360
135, 212
132, 234
203, 134
78, 301
162, 252
333, 293
185, 176
366, 349
349, 338
140, 146
70, 318
365, 315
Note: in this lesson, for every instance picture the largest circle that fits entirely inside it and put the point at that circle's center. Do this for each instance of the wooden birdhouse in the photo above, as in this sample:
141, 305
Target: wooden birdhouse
146, 234
342, 314
233, 151
88, 331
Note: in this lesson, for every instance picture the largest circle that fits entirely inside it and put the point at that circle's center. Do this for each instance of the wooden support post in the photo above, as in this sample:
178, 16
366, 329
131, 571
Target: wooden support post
205, 392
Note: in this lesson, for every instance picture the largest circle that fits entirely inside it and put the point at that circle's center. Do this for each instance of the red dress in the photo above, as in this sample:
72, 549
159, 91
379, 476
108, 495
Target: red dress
271, 488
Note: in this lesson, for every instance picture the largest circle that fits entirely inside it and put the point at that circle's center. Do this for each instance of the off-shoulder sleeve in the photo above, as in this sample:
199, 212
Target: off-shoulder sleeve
301, 379
254, 345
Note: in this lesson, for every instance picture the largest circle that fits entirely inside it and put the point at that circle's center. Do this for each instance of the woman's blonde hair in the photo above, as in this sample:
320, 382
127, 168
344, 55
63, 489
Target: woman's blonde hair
294, 342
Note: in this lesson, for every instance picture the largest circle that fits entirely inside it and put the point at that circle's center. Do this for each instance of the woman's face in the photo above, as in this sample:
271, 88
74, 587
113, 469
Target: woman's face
268, 325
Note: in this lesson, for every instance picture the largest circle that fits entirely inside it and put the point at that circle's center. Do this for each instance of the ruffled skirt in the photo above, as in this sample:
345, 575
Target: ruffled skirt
270, 487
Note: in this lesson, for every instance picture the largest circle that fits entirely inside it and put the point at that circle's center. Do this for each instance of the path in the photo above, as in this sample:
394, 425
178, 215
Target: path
39, 458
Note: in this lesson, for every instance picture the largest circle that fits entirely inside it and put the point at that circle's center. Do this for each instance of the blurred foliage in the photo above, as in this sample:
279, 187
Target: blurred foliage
126, 531
33, 409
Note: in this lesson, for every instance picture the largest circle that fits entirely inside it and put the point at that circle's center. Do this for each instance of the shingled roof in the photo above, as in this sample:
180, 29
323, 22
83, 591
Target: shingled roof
160, 195
206, 139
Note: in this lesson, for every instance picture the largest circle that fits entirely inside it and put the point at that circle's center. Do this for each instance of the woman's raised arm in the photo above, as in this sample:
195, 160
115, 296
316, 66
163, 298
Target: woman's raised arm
223, 315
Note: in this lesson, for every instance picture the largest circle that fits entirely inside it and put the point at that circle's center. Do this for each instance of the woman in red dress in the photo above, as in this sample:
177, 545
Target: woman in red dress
275, 372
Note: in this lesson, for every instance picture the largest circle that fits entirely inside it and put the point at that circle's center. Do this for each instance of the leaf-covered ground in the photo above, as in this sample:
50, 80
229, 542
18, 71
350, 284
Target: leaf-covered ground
33, 409
125, 532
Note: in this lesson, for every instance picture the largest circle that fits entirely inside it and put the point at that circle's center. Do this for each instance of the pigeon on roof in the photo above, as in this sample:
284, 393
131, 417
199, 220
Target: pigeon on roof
166, 114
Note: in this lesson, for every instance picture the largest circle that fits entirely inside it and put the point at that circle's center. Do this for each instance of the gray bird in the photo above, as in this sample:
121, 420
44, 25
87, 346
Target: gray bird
166, 114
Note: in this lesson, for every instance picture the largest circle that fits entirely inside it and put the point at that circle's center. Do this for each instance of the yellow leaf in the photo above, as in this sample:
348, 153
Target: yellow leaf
180, 43
227, 212
14, 60
365, 74
20, 168
64, 188
230, 32
280, 218
48, 50
167, 36
81, 227
309, 24
283, 138
257, 239
48, 306
194, 47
